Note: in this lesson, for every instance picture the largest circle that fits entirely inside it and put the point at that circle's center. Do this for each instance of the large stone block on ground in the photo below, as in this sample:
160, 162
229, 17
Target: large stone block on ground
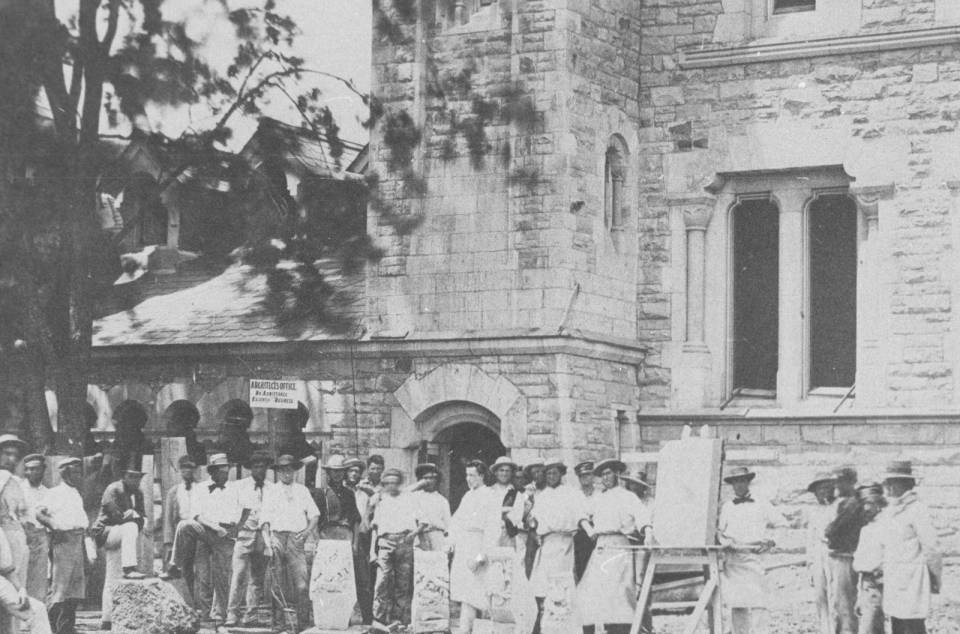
150, 606
431, 591
332, 587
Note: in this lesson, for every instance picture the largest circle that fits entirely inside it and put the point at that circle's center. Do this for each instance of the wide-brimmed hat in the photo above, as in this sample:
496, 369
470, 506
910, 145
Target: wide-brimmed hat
535, 462
218, 460
618, 466
336, 462
34, 457
555, 463
10, 439
899, 470
392, 473
637, 478
584, 468
739, 473
820, 479
424, 469
286, 460
504, 461
186, 462
69, 462
261, 457
132, 471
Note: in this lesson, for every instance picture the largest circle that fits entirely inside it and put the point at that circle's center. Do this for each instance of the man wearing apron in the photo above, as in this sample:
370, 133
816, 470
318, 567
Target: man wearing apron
35, 524
743, 527
433, 510
68, 523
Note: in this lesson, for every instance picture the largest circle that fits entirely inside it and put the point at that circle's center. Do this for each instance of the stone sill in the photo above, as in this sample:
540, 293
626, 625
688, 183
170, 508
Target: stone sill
847, 45
672, 418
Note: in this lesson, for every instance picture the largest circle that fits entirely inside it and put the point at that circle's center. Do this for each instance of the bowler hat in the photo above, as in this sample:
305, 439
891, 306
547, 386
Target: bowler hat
503, 461
425, 469
739, 473
218, 460
286, 460
261, 457
336, 462
610, 463
186, 462
584, 468
820, 479
899, 470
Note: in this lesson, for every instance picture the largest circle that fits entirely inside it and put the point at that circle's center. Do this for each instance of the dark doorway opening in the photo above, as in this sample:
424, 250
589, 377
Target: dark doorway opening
457, 445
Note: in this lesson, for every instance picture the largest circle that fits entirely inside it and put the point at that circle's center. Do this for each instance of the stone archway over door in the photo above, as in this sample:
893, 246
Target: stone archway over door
453, 448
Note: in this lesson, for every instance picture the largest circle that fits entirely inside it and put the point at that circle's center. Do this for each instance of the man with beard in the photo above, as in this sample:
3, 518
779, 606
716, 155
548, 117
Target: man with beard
35, 525
68, 523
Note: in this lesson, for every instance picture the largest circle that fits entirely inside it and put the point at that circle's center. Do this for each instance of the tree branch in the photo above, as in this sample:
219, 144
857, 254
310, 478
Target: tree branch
112, 18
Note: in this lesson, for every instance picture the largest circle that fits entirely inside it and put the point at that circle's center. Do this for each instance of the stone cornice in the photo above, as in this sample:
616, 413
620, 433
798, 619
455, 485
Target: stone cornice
847, 45
672, 418
574, 342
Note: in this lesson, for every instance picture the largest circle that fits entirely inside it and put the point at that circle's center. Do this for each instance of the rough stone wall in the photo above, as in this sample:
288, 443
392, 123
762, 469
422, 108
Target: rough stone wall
895, 109
515, 109
569, 402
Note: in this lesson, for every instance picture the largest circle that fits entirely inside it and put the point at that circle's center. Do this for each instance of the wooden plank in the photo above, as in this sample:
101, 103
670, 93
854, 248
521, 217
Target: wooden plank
430, 611
333, 590
706, 597
688, 474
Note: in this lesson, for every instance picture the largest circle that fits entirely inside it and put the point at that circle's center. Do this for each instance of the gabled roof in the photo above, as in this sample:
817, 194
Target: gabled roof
227, 308
302, 151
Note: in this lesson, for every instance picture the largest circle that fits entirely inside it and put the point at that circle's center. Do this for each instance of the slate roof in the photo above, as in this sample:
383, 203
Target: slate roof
223, 310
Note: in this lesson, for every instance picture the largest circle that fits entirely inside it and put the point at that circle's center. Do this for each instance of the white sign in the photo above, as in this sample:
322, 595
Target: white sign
273, 394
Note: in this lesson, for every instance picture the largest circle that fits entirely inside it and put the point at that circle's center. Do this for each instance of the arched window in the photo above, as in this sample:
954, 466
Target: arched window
614, 178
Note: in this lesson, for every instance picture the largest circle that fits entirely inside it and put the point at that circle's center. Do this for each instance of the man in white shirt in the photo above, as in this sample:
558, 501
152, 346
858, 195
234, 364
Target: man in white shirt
219, 513
743, 526
292, 516
68, 523
433, 510
35, 525
395, 526
181, 531
253, 548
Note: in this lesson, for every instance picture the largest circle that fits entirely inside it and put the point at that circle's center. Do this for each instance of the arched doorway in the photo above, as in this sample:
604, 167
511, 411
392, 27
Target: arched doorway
453, 447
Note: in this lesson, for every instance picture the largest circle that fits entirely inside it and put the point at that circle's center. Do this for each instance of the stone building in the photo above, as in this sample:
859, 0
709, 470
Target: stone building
634, 216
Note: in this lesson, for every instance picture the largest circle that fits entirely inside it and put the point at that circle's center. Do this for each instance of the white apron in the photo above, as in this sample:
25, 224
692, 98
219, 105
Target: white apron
743, 581
554, 558
466, 585
608, 590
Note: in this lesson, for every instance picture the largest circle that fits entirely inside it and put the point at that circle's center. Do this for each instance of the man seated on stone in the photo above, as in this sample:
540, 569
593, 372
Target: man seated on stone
293, 516
180, 527
117, 530
253, 549
68, 524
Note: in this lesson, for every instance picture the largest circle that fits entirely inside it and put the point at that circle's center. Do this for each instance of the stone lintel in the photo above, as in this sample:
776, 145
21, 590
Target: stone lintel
830, 46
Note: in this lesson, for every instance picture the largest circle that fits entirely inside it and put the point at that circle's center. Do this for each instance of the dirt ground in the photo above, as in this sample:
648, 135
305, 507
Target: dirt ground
792, 610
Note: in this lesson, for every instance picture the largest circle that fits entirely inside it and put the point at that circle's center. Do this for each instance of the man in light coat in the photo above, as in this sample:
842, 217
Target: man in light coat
181, 506
912, 562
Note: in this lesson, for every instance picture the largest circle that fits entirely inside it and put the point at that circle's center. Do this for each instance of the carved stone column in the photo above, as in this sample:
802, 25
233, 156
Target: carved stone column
871, 318
696, 218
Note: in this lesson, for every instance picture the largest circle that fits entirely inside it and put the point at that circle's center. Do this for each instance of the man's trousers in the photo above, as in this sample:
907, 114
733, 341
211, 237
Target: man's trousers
290, 565
38, 544
870, 605
120, 551
394, 590
842, 593
213, 574
363, 571
249, 565
188, 535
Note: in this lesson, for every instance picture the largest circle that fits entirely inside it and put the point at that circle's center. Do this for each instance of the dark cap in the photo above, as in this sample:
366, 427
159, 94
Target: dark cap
186, 462
261, 457
584, 468
425, 469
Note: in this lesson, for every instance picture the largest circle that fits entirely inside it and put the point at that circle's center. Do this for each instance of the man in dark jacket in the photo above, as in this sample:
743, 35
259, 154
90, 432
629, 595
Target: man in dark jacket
339, 515
117, 530
843, 536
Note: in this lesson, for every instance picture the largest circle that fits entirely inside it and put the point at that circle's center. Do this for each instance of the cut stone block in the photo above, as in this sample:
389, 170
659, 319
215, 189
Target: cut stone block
430, 611
333, 590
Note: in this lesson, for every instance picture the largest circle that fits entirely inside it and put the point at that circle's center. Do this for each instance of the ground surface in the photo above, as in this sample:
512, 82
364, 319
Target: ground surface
791, 607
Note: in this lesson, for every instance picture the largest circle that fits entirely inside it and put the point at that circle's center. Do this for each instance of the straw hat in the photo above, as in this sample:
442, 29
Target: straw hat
739, 473
820, 479
610, 463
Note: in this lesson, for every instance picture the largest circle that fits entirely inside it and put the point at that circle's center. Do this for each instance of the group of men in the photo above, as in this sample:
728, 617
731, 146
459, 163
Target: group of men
873, 553
871, 549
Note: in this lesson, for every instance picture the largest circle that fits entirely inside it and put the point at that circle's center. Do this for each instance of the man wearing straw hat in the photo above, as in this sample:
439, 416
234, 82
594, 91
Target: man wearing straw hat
818, 517
36, 524
68, 523
608, 590
912, 562
339, 516
742, 527
292, 515
254, 547
219, 512
555, 517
